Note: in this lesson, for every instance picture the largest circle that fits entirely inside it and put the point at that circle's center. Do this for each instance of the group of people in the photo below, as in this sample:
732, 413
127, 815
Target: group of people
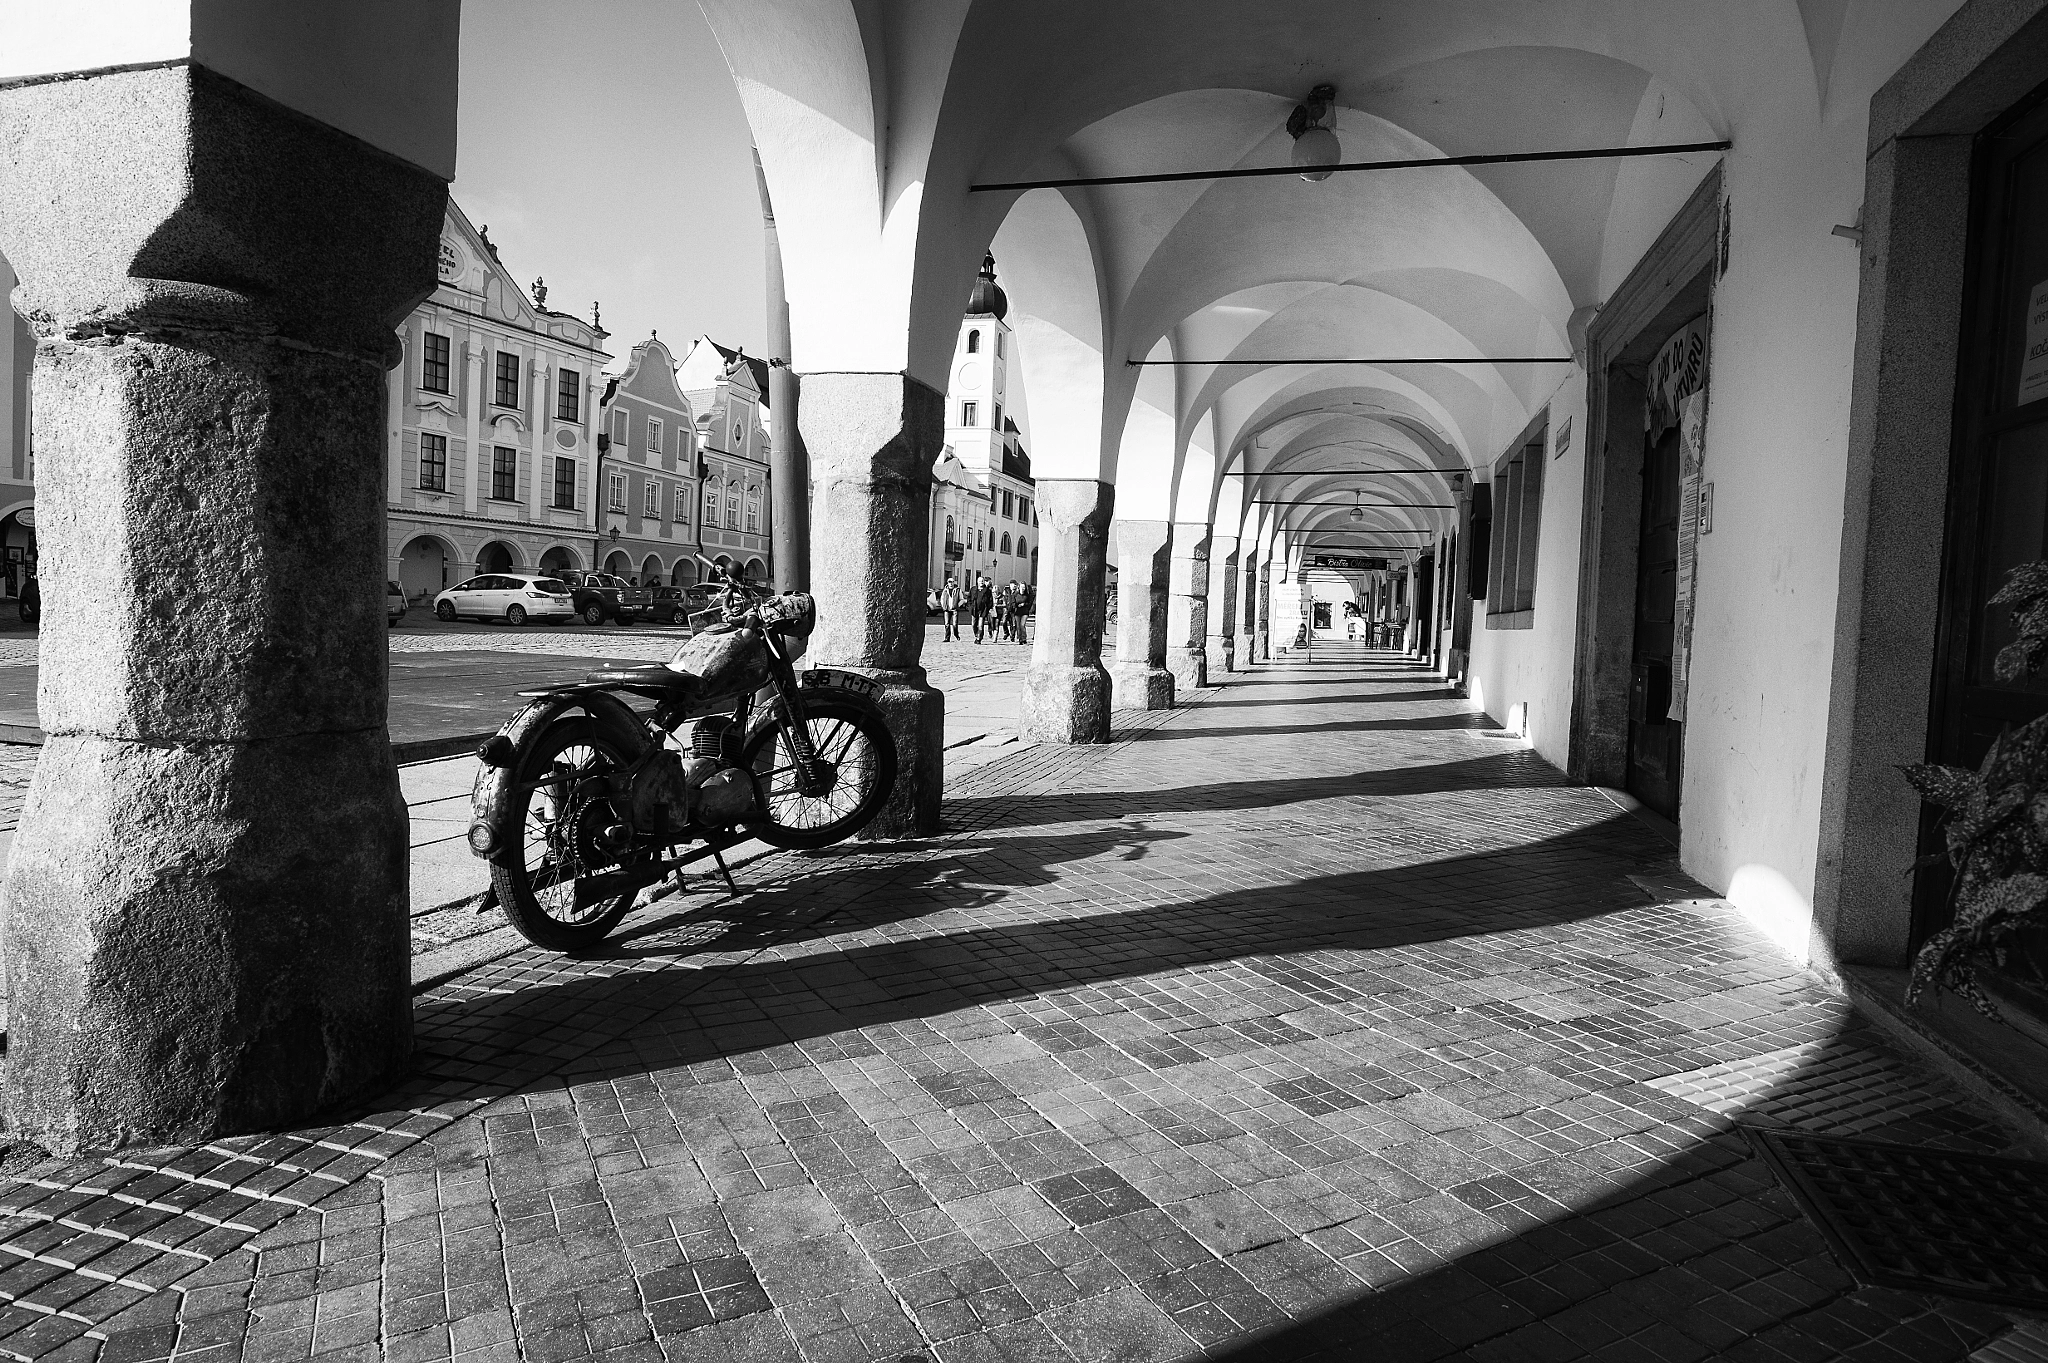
996, 612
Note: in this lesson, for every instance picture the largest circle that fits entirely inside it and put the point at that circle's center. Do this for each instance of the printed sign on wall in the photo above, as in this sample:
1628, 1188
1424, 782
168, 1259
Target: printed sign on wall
2034, 363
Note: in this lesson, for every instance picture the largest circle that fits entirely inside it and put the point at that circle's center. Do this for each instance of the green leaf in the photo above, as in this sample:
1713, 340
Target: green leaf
1949, 787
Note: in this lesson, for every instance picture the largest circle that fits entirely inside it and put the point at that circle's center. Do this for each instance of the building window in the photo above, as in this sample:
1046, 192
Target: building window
1511, 553
650, 500
654, 437
968, 412
615, 491
433, 462
732, 505
569, 396
711, 503
682, 504
565, 484
1020, 546
508, 380
1024, 510
999, 345
1006, 544
997, 423
504, 473
434, 368
739, 438
754, 509
974, 342
1008, 506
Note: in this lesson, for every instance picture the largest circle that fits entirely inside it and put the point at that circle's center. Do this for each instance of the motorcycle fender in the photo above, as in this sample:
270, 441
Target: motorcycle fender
491, 796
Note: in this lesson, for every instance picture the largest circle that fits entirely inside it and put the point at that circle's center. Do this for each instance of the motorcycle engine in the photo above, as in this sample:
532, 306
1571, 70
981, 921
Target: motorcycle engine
699, 790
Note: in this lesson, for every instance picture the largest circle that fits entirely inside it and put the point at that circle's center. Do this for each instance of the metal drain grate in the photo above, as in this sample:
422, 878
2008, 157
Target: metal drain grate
1922, 1220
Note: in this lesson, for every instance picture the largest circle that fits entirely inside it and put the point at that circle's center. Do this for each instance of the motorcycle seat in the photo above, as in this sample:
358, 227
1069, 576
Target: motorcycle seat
648, 679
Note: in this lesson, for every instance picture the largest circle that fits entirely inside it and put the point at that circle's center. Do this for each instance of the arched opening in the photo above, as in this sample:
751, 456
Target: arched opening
425, 565
18, 535
757, 571
974, 341
618, 564
650, 571
496, 557
1006, 544
684, 573
560, 559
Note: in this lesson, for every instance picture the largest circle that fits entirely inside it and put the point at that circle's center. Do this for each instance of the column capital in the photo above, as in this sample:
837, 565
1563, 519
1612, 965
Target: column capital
173, 200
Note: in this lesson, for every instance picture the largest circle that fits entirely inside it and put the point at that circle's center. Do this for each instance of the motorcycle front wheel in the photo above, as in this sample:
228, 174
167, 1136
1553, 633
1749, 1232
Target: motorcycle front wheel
848, 735
538, 874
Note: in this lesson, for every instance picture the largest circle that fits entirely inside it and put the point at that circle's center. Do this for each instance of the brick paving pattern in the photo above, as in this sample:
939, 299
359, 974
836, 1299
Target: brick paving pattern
1301, 1022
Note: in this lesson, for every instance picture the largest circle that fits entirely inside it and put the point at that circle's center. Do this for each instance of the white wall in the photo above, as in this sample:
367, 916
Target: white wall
1533, 667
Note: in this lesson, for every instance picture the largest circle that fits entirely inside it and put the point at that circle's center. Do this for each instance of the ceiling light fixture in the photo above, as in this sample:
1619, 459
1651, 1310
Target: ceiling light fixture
1357, 512
1316, 147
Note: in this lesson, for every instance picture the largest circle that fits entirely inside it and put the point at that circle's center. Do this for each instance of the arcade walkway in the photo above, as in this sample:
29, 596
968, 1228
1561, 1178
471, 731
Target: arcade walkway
1305, 1020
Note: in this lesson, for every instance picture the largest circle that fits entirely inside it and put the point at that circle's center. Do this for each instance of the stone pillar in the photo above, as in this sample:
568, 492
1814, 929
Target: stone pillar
1140, 681
205, 911
1066, 690
1187, 607
871, 440
1223, 601
1262, 606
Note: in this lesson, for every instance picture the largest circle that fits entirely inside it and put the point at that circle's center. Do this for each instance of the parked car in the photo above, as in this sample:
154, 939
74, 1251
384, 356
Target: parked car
394, 603
605, 596
514, 598
675, 605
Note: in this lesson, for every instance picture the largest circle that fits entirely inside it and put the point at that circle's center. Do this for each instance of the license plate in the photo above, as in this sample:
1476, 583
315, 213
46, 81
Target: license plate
833, 678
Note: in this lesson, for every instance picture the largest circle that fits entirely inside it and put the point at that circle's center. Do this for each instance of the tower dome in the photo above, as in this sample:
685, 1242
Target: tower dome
988, 297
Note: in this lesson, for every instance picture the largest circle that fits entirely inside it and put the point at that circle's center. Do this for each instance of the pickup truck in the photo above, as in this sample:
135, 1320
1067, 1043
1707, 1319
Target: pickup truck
599, 597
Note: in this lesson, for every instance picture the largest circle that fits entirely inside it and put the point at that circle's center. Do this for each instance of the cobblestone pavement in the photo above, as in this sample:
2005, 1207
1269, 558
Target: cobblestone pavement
1305, 1021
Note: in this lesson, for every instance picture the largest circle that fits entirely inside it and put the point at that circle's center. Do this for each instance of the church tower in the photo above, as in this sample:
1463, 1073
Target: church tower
976, 403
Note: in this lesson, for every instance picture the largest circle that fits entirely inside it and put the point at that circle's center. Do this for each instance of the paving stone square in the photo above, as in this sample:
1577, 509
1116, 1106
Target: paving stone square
1301, 1021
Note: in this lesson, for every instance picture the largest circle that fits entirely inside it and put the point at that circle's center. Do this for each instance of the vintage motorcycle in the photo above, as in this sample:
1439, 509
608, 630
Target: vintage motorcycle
582, 801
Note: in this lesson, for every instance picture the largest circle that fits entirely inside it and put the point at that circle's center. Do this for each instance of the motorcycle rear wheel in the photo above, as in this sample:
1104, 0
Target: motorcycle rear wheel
846, 733
540, 902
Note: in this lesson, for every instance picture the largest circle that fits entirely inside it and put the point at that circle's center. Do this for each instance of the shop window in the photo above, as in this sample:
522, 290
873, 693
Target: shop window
565, 484
568, 396
433, 462
434, 368
504, 473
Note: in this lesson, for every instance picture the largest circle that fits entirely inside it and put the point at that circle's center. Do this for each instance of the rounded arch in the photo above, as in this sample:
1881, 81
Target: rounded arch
426, 564
650, 570
618, 563
560, 558
757, 571
498, 556
1006, 544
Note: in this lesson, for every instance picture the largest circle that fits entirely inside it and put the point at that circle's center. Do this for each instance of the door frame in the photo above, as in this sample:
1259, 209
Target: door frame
1924, 121
1670, 286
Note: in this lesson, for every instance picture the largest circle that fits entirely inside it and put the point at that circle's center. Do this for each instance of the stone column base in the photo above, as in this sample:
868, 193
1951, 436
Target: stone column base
1066, 704
1141, 686
916, 714
1190, 668
1223, 651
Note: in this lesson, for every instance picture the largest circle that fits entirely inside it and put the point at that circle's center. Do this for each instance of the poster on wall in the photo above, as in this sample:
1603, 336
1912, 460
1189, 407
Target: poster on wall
1692, 444
2034, 363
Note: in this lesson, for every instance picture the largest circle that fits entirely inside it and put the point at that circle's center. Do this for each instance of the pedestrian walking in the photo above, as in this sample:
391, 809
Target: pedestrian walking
984, 609
949, 611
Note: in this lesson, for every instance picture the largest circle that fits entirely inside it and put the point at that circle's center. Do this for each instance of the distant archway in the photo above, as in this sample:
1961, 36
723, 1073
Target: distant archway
425, 565
496, 557
683, 574
650, 570
757, 571
618, 564
560, 559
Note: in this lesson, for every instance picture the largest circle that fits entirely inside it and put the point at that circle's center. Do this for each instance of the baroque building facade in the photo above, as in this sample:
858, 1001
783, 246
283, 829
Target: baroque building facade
647, 457
728, 390
492, 457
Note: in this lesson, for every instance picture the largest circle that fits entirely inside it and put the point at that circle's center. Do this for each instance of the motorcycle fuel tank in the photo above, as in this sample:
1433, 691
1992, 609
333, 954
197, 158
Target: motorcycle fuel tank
727, 661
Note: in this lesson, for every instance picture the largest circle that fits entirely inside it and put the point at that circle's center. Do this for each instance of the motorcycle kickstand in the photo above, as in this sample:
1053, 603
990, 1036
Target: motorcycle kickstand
726, 871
